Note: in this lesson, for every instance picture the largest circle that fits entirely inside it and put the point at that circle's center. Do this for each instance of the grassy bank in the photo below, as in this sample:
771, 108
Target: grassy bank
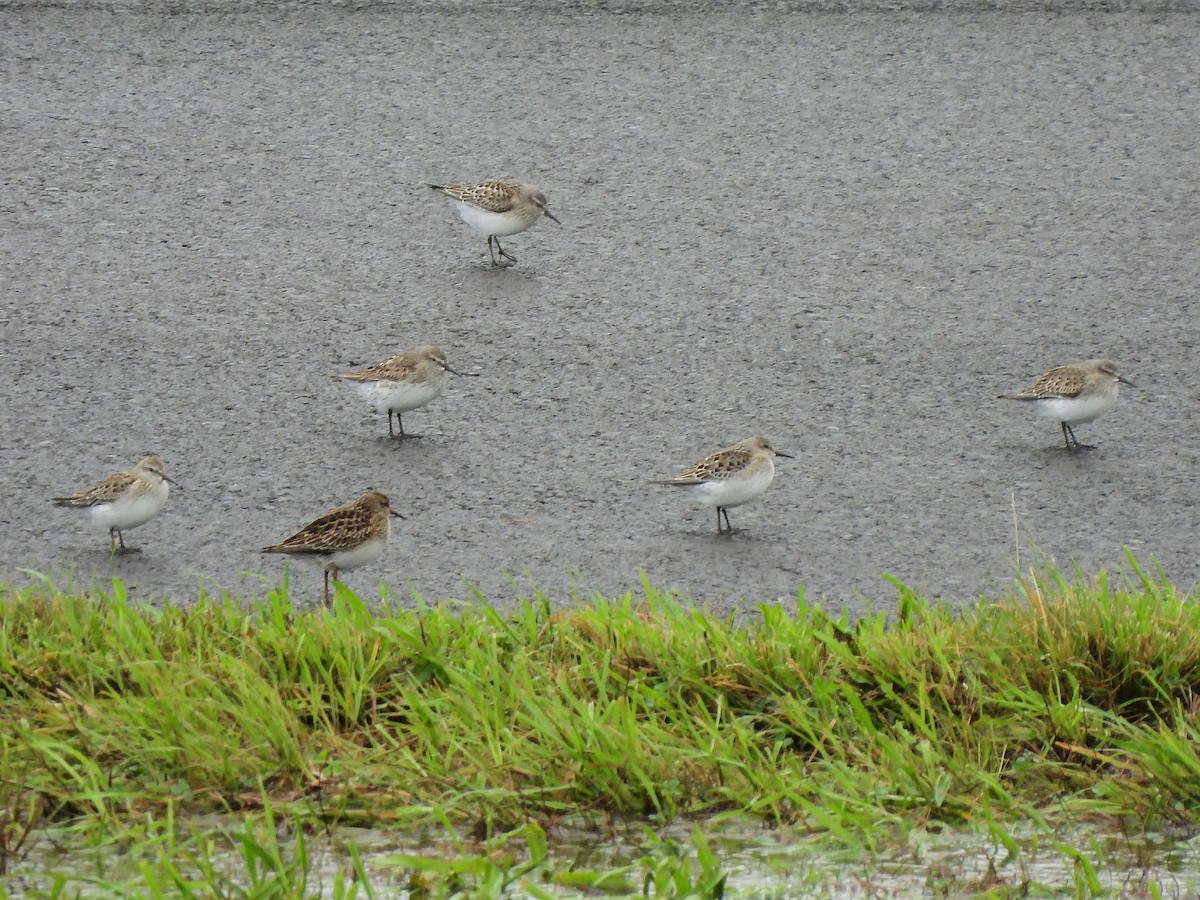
1064, 699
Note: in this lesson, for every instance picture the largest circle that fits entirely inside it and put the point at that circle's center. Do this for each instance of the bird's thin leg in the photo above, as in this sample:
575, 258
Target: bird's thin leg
120, 546
490, 253
326, 587
504, 252
403, 435
1072, 443
728, 529
400, 426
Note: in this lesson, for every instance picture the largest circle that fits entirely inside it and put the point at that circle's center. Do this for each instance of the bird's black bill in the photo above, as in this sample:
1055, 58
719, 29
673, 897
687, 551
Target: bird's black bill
784, 455
1124, 380
551, 216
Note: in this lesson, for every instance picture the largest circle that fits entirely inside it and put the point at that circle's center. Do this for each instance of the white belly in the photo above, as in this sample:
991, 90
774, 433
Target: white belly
491, 223
130, 512
401, 396
357, 556
1074, 410
732, 492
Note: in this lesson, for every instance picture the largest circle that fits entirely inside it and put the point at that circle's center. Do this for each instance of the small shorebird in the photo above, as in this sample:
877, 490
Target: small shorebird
345, 538
730, 477
498, 208
1074, 394
403, 382
124, 500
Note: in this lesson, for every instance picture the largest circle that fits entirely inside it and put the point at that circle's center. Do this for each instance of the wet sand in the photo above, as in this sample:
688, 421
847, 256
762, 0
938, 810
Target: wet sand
847, 230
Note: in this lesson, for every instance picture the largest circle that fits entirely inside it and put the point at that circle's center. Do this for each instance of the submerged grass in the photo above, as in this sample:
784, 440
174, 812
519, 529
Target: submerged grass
1068, 697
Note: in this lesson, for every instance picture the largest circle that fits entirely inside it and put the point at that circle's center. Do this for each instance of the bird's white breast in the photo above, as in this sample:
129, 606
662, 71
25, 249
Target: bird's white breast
492, 223
1074, 410
133, 508
401, 396
354, 557
733, 491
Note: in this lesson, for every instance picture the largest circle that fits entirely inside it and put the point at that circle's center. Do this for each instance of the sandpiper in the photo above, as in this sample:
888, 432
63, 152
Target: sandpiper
730, 477
403, 382
124, 500
498, 208
345, 538
1074, 394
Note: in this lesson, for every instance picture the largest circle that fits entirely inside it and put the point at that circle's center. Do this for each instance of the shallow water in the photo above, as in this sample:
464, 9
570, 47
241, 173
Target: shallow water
759, 862
848, 229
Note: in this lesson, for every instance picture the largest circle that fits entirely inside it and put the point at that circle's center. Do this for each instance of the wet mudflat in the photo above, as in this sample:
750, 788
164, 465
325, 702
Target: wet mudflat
848, 230
757, 861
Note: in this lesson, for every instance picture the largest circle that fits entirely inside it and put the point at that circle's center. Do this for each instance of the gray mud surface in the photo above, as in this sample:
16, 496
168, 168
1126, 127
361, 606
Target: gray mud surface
848, 229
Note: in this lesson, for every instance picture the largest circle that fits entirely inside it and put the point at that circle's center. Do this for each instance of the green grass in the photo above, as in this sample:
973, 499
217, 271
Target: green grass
1067, 698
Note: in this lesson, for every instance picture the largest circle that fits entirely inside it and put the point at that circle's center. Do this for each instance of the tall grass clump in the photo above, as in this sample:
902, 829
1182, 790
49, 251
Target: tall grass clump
1063, 696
